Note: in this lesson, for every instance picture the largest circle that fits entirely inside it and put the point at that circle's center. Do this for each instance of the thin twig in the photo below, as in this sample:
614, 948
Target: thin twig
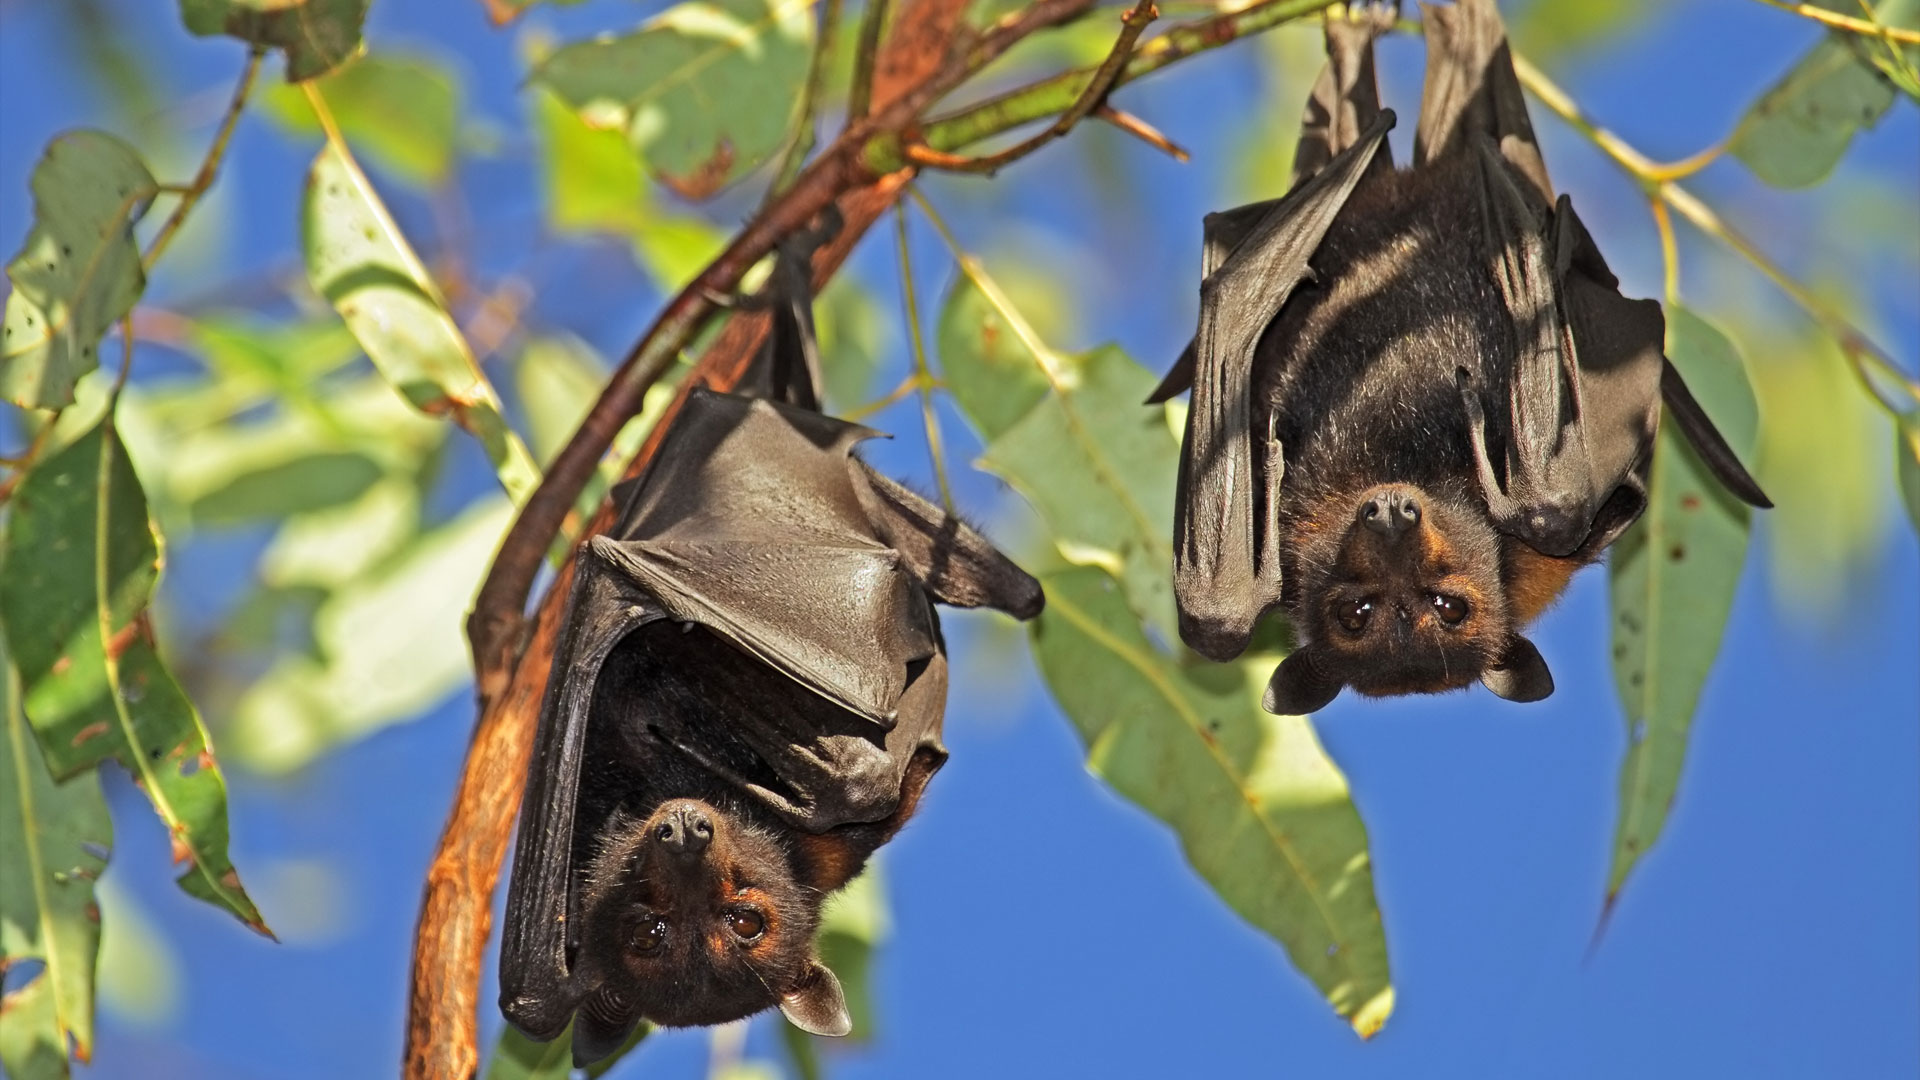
924, 376
1043, 355
892, 397
1143, 131
1875, 369
1132, 24
865, 52
1838, 21
805, 135
1669, 249
210, 165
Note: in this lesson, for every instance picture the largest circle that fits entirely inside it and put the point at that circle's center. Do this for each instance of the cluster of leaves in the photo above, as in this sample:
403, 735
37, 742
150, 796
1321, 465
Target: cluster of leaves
352, 621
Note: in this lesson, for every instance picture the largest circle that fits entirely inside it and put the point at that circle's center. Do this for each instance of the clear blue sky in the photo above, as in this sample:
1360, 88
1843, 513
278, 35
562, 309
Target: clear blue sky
1772, 932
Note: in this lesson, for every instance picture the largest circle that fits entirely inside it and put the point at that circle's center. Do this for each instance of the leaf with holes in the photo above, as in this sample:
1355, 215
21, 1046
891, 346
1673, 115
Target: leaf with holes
316, 35
79, 271
1261, 811
705, 92
80, 567
1673, 574
1798, 130
54, 840
358, 259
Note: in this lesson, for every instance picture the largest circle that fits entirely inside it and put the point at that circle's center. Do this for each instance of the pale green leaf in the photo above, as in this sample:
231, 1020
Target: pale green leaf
358, 259
1799, 129
854, 923
139, 973
402, 110
853, 341
706, 91
516, 1057
985, 363
1261, 811
1673, 576
80, 568
317, 35
79, 270
1906, 450
54, 840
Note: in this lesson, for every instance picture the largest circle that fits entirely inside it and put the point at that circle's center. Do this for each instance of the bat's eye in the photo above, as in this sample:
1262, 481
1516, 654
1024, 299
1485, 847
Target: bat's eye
1353, 615
651, 935
1451, 609
746, 923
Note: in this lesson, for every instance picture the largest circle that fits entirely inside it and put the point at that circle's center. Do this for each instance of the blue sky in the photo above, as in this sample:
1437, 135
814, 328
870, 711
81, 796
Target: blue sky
1772, 932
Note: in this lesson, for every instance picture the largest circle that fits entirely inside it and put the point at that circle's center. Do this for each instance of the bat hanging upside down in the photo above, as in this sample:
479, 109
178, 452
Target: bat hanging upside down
745, 703
1420, 402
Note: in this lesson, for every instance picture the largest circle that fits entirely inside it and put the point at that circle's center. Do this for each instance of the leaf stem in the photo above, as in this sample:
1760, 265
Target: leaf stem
892, 397
805, 136
1837, 21
210, 165
923, 377
860, 94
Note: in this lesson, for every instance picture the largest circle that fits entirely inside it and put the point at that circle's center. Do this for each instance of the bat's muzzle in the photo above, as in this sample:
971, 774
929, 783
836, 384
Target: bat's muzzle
1392, 512
684, 829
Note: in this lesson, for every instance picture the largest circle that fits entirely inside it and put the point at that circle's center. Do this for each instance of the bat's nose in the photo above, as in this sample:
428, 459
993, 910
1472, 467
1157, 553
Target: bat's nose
1391, 513
684, 830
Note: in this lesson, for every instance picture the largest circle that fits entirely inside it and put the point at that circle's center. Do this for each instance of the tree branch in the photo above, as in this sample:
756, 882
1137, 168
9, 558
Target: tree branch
210, 165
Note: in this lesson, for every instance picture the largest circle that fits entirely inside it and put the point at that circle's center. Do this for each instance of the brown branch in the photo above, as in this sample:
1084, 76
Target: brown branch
1143, 131
1132, 24
926, 55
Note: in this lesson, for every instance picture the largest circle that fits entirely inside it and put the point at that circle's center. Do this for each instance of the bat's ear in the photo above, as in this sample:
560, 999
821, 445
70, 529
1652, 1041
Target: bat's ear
815, 1005
1521, 675
1298, 686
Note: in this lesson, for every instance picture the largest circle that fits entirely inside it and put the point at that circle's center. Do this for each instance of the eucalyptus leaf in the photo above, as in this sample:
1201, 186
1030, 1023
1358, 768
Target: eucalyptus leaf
80, 568
402, 110
54, 840
516, 1057
1261, 811
986, 362
1673, 577
358, 259
316, 35
78, 272
705, 91
1798, 130
1906, 450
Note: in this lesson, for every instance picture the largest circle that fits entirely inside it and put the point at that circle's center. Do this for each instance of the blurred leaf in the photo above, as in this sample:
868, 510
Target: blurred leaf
329, 548
706, 91
1674, 573
853, 339
1261, 812
402, 110
358, 259
54, 840
317, 35
1798, 130
985, 363
79, 270
139, 973
1906, 450
853, 925
1824, 458
505, 11
745, 1070
516, 1057
1550, 30
559, 378
272, 359
281, 488
80, 568
1100, 468
391, 642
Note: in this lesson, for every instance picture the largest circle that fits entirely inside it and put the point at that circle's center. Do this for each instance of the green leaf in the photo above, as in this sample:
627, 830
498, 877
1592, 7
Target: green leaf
358, 259
80, 568
1673, 576
1100, 468
391, 645
317, 35
54, 839
1798, 130
1556, 29
853, 925
79, 270
402, 110
987, 360
1262, 813
516, 1057
705, 92
853, 342
1906, 450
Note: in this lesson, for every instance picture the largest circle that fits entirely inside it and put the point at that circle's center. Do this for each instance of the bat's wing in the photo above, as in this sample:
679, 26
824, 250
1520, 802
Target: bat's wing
1471, 91
957, 565
539, 990
1221, 585
1344, 102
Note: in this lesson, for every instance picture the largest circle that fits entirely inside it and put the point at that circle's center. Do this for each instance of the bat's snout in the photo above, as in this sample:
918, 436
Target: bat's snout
1391, 512
684, 829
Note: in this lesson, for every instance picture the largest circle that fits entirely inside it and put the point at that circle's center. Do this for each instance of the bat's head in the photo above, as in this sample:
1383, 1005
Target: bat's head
699, 916
1401, 593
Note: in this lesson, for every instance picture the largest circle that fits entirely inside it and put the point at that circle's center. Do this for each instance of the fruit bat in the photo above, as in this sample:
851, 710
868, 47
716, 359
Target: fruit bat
745, 702
1419, 400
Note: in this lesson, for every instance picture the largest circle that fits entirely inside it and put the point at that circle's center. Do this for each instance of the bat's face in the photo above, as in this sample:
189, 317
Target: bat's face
1401, 593
695, 917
